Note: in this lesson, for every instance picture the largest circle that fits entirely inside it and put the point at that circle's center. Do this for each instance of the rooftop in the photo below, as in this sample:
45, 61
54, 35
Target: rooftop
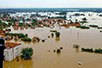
12, 44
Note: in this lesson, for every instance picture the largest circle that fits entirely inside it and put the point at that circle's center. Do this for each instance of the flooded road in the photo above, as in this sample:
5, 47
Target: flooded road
69, 56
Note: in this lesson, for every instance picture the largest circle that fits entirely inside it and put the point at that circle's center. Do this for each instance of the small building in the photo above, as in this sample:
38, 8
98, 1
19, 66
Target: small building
26, 27
12, 50
21, 27
34, 39
16, 38
16, 27
1, 32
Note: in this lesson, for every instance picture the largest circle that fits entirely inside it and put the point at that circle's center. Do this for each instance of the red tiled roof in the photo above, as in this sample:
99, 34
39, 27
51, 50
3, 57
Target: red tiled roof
11, 44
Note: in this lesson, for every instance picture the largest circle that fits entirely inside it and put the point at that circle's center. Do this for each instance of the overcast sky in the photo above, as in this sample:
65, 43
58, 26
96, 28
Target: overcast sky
50, 3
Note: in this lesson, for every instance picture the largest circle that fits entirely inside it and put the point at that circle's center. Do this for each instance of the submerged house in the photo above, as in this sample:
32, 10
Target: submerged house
26, 27
34, 39
16, 38
21, 27
16, 27
12, 51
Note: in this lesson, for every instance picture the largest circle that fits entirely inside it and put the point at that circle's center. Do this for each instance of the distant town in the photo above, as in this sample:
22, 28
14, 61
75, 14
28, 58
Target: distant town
25, 29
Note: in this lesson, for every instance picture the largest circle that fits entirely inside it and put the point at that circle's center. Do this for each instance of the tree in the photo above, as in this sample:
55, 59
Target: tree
76, 21
26, 35
71, 21
40, 22
59, 20
52, 34
38, 39
58, 50
77, 46
26, 39
57, 34
26, 53
34, 22
9, 24
21, 35
84, 19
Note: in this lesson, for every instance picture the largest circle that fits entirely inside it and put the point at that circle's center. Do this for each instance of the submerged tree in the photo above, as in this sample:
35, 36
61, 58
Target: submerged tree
26, 53
84, 19
58, 50
57, 34
77, 46
52, 34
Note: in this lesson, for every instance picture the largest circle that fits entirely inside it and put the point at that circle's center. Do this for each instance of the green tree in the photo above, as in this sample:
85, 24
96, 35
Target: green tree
57, 34
84, 19
26, 35
77, 46
26, 53
58, 50
52, 34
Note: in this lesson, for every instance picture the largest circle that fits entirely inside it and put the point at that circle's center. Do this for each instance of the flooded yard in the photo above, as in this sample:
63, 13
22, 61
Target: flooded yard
45, 57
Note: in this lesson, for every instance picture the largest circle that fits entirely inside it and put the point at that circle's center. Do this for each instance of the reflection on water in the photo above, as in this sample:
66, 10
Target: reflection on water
57, 38
34, 42
52, 36
77, 50
58, 54
69, 57
27, 42
19, 64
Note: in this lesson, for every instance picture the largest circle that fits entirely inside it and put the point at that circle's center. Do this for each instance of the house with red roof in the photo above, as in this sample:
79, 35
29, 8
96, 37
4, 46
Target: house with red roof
12, 50
21, 27
15, 27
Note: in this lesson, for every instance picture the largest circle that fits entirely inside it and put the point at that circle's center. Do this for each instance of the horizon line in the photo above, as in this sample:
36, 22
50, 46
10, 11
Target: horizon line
51, 7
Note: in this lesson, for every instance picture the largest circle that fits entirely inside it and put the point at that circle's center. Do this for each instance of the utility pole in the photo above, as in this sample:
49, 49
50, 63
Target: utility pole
2, 47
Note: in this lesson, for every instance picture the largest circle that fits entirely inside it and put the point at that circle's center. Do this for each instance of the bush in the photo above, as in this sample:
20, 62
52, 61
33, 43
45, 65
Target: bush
58, 50
26, 53
57, 34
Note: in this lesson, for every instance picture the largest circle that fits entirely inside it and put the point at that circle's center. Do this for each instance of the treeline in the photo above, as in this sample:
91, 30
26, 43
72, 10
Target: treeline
20, 35
91, 50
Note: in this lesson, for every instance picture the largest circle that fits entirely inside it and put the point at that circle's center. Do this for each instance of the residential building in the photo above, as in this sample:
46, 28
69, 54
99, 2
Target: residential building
12, 51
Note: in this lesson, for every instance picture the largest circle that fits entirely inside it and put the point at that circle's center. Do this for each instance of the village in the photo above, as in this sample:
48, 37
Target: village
21, 28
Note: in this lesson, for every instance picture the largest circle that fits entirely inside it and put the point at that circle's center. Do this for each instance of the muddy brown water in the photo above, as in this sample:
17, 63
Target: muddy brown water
69, 56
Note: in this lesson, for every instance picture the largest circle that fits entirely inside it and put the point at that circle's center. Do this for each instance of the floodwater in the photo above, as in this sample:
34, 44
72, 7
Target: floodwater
44, 57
